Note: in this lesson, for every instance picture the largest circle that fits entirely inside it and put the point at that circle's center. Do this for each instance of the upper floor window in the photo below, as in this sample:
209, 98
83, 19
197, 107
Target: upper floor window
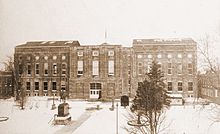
28, 85
64, 68
149, 56
80, 53
36, 84
54, 57
80, 68
28, 69
63, 57
179, 68
95, 68
95, 53
111, 67
28, 58
169, 86
55, 68
139, 56
169, 56
179, 55
110, 53
37, 68
190, 68
169, 68
46, 68
46, 57
190, 86
37, 57
159, 56
189, 55
180, 86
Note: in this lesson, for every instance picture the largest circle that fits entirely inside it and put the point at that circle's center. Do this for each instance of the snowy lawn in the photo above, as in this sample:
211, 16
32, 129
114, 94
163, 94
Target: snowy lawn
36, 118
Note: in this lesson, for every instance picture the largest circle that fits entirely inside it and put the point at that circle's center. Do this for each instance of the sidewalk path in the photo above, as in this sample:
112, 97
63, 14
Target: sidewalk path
69, 129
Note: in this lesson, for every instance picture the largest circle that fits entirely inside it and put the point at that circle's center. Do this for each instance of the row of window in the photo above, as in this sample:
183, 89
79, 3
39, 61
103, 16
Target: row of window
96, 53
179, 86
46, 69
95, 68
63, 57
160, 56
169, 68
45, 86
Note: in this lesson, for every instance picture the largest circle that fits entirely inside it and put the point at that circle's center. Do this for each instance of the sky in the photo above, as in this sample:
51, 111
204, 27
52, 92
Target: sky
88, 20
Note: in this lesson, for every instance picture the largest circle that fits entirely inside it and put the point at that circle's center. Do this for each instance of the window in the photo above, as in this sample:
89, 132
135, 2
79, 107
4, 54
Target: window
36, 85
28, 58
46, 68
95, 86
95, 53
169, 86
180, 86
28, 85
110, 67
190, 68
80, 53
37, 68
54, 57
190, 86
139, 56
55, 68
63, 57
20, 69
45, 85
189, 55
169, 68
149, 66
64, 68
159, 56
37, 57
140, 68
80, 68
179, 55
54, 86
95, 68
110, 53
149, 56
46, 57
169, 56
179, 68
28, 69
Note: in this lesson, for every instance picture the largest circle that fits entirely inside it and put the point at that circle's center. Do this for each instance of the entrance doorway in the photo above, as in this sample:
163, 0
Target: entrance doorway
95, 90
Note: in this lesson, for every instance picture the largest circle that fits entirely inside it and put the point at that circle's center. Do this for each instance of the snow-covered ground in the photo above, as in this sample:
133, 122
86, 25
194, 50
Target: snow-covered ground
37, 118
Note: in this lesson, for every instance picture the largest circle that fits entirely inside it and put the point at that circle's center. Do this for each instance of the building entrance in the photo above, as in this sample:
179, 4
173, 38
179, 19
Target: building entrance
95, 90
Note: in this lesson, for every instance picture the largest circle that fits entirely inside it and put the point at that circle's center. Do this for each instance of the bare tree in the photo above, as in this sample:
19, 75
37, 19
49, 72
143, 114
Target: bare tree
209, 62
17, 68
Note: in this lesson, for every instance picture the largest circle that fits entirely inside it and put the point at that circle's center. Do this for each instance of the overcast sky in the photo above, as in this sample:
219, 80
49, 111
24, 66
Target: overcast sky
87, 20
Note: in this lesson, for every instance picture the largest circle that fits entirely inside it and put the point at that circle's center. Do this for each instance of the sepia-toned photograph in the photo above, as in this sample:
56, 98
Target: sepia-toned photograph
109, 66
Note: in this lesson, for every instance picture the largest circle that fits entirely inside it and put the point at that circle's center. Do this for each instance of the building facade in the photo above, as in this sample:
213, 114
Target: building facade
6, 86
105, 71
209, 86
177, 59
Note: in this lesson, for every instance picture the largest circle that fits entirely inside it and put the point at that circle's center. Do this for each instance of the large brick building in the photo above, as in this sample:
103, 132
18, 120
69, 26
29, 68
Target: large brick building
105, 71
209, 86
